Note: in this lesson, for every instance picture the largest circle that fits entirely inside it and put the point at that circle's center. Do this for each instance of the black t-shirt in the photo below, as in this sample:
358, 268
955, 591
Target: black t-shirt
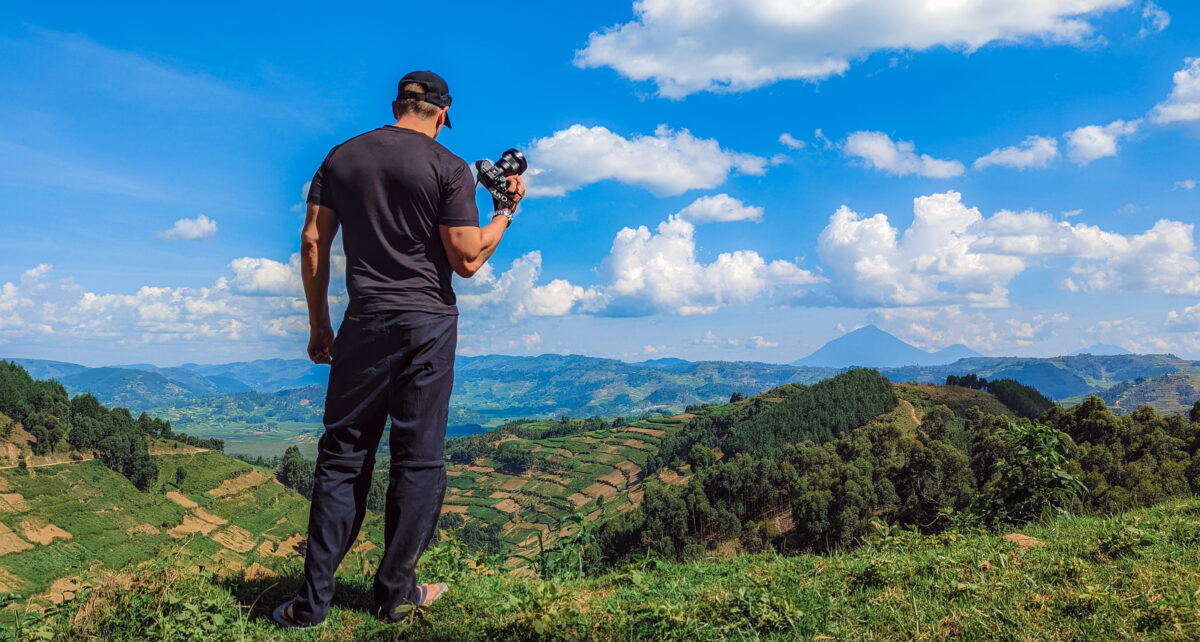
391, 188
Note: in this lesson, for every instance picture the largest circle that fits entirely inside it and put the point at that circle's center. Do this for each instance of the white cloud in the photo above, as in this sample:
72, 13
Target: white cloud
877, 150
719, 208
1188, 184
200, 228
302, 206
934, 261
208, 320
653, 350
1072, 213
1089, 143
1154, 19
659, 271
666, 163
1183, 105
757, 341
646, 272
737, 45
1186, 320
1035, 151
791, 142
517, 293
266, 276
952, 254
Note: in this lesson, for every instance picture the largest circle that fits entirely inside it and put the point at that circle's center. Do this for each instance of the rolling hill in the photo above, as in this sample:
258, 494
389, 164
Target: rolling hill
1169, 394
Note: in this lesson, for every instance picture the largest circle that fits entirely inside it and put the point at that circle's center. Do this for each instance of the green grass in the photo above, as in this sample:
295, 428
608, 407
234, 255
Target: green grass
1133, 576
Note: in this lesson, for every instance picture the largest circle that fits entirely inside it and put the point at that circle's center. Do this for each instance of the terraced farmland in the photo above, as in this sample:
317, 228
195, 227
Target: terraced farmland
59, 520
595, 473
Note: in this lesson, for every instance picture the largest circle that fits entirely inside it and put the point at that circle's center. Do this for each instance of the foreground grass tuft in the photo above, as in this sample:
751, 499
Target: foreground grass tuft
1133, 576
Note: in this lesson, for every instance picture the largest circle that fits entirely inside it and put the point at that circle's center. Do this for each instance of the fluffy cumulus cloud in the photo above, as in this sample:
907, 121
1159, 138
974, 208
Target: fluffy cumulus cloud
1089, 143
878, 150
736, 45
933, 262
1035, 151
659, 271
1188, 184
200, 228
665, 163
205, 320
518, 294
951, 254
719, 208
1183, 105
646, 272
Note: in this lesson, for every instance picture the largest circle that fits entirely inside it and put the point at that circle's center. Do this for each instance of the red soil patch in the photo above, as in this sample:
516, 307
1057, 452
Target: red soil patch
648, 431
600, 489
43, 535
578, 499
257, 571
1023, 541
672, 478
454, 508
12, 503
235, 538
508, 506
10, 542
178, 498
251, 479
144, 529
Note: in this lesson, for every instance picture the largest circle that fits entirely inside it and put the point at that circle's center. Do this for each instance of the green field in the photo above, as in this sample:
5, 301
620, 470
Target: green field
1133, 576
64, 519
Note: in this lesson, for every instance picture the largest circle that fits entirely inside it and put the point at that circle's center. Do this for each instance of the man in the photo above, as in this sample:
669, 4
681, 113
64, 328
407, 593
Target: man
406, 206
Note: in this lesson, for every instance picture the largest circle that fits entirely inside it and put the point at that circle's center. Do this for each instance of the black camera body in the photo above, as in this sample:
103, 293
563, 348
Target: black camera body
493, 175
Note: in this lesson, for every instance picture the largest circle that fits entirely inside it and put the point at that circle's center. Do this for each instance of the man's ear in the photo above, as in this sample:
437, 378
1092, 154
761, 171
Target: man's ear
442, 117
396, 109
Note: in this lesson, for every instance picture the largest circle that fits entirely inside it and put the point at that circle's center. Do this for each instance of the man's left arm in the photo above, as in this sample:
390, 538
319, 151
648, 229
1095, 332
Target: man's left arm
316, 241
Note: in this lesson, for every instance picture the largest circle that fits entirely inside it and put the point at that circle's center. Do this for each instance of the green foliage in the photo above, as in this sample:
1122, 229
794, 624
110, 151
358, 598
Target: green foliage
514, 457
818, 413
1031, 479
296, 472
1023, 400
898, 585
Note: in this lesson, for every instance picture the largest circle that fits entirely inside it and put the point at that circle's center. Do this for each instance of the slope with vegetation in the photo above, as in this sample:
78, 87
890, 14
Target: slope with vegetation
854, 507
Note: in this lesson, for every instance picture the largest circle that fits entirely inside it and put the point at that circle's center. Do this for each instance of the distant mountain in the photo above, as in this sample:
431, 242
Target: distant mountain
1103, 349
870, 346
42, 369
268, 375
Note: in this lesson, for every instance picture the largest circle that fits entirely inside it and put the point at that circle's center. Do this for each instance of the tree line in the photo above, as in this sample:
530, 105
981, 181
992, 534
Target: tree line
52, 417
1023, 400
827, 490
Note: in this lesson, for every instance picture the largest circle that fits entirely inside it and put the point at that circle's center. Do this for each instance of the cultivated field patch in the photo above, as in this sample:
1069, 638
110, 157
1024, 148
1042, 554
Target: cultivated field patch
12, 503
42, 533
242, 482
10, 542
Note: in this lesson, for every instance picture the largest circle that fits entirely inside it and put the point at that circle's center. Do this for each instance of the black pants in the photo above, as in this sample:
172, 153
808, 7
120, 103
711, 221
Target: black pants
398, 366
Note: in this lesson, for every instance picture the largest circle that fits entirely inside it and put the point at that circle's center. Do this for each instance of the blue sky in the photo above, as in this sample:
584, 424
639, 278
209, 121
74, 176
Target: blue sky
1035, 169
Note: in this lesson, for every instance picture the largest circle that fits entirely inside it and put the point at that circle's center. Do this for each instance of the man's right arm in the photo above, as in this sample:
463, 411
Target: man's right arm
316, 241
469, 247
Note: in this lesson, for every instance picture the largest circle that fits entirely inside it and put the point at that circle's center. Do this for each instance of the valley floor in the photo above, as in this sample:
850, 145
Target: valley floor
1132, 576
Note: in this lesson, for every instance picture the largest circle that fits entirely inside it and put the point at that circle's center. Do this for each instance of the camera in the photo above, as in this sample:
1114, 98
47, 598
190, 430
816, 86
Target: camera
492, 175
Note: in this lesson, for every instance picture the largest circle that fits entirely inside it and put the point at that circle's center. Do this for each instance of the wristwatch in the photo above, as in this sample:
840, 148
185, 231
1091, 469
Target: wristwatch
505, 212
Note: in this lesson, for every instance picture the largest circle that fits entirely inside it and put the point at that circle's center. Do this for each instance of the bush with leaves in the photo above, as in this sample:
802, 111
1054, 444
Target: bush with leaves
1031, 479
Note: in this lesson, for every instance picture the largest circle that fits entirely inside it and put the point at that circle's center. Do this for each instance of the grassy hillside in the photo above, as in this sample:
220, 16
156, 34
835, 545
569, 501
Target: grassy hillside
596, 473
1132, 576
57, 521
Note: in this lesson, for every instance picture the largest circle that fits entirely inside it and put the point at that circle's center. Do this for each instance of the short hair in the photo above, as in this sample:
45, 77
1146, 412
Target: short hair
418, 108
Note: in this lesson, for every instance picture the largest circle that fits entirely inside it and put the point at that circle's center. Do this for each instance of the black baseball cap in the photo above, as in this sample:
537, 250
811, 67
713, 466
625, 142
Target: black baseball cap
436, 92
